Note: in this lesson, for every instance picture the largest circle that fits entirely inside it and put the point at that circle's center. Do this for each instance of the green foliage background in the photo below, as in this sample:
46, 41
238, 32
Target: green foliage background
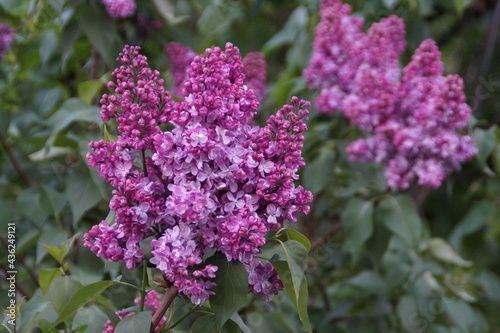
381, 261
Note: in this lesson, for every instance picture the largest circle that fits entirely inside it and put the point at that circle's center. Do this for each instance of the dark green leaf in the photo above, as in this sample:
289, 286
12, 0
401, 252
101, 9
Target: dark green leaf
88, 90
74, 109
30, 311
81, 297
357, 222
231, 290
82, 194
140, 322
399, 214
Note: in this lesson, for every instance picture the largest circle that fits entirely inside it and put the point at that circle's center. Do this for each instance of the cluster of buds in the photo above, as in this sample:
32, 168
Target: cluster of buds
120, 8
6, 37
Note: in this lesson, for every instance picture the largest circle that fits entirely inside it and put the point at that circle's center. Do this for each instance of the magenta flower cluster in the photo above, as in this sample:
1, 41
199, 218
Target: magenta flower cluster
151, 300
413, 114
192, 177
254, 68
120, 8
6, 37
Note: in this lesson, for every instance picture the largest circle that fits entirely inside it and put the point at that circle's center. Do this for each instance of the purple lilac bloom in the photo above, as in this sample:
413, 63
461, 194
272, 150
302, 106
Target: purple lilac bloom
6, 37
120, 8
151, 300
413, 115
180, 57
213, 182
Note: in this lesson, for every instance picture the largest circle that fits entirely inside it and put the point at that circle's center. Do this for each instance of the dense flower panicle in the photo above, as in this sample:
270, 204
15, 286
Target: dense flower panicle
6, 37
413, 113
213, 182
180, 57
120, 8
151, 300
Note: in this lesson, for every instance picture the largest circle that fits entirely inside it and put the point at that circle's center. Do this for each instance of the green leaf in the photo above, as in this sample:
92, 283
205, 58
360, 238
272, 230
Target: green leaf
297, 236
231, 290
101, 32
60, 252
48, 44
108, 136
61, 290
82, 193
81, 297
475, 219
88, 90
319, 171
46, 276
368, 280
295, 255
299, 299
485, 141
399, 214
30, 311
357, 222
297, 22
74, 109
241, 324
443, 251
140, 322
205, 324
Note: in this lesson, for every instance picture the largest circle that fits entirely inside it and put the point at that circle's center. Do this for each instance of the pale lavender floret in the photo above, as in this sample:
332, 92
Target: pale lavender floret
7, 34
212, 182
120, 8
413, 114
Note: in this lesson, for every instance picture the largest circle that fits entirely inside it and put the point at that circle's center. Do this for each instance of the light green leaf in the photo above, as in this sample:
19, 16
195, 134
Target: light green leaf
357, 222
61, 290
399, 214
60, 252
368, 280
46, 276
140, 322
295, 235
231, 290
297, 21
88, 90
48, 44
108, 136
319, 171
443, 251
166, 10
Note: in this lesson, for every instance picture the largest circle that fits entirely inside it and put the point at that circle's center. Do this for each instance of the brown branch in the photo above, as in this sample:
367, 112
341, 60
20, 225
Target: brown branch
332, 232
15, 163
170, 293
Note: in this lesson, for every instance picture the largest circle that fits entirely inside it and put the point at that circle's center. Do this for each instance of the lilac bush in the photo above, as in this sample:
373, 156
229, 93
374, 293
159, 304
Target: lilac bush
193, 177
413, 115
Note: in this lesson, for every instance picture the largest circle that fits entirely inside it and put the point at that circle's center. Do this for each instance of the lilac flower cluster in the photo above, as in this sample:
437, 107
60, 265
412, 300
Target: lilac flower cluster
414, 115
120, 8
151, 300
212, 182
6, 37
254, 68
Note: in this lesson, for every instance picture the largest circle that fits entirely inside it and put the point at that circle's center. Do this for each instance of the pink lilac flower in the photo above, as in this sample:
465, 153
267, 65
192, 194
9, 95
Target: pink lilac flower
151, 300
413, 115
211, 183
6, 37
120, 8
180, 57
